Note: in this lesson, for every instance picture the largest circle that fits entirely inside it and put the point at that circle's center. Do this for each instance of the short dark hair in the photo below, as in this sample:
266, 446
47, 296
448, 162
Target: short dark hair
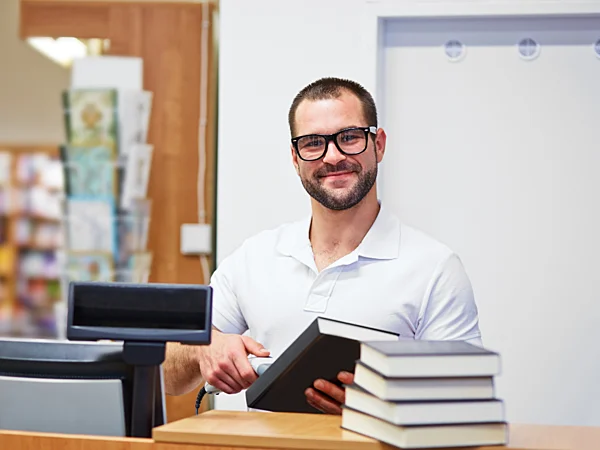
329, 87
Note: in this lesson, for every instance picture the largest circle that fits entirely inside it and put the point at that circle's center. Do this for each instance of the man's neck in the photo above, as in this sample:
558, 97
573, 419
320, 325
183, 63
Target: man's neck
340, 232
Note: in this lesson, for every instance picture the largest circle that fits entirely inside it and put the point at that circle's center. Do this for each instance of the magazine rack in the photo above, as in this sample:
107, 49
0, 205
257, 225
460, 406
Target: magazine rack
106, 164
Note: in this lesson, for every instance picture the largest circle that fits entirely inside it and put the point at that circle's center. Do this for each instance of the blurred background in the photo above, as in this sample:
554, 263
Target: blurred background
491, 111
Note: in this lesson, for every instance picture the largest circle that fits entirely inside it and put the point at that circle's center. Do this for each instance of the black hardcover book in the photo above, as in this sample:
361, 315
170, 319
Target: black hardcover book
324, 349
421, 358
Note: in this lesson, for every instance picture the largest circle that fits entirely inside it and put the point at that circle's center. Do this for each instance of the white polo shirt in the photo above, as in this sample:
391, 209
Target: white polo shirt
398, 279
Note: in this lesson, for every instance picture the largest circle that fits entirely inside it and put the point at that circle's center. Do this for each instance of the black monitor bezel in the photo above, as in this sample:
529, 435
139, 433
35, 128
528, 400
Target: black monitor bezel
190, 337
65, 360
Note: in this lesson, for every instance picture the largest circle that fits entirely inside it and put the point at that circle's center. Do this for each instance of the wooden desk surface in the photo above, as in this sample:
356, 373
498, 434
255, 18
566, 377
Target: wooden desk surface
227, 430
323, 432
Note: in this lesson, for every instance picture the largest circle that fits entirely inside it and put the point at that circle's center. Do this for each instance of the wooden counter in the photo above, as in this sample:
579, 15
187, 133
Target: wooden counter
222, 429
229, 430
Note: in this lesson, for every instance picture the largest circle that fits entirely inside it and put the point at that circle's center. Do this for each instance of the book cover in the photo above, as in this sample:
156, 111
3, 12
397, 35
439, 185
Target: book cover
324, 349
422, 388
422, 358
425, 412
425, 436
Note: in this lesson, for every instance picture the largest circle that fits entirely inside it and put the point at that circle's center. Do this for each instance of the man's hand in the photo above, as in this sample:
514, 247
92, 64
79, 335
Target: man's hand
328, 397
224, 363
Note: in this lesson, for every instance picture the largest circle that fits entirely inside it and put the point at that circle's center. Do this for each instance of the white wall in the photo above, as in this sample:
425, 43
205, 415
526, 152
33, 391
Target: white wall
496, 156
30, 87
265, 58
268, 51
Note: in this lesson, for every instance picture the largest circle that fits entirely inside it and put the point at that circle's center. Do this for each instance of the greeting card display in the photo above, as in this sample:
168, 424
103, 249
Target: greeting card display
106, 163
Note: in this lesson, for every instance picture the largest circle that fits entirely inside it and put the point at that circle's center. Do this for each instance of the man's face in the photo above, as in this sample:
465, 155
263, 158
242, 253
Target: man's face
337, 181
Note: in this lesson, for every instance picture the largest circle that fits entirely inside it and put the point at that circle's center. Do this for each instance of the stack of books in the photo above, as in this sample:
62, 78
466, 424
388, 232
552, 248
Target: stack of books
426, 394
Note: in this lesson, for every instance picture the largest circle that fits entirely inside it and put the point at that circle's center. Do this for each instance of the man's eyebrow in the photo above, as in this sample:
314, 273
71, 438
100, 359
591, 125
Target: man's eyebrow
347, 127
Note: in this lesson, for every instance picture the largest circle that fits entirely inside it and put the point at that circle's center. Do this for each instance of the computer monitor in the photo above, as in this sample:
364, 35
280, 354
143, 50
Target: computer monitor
70, 387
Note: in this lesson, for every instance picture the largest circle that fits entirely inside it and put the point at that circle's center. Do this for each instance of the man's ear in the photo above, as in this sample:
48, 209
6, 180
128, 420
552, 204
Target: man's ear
380, 141
295, 159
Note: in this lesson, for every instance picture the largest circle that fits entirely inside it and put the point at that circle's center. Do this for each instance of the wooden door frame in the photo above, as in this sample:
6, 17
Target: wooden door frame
168, 36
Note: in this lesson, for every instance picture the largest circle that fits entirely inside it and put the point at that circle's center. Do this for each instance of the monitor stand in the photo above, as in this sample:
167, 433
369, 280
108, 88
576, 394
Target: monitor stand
146, 358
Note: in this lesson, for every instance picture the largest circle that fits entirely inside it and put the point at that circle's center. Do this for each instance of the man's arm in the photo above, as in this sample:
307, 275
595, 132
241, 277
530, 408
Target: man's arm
181, 369
449, 311
224, 364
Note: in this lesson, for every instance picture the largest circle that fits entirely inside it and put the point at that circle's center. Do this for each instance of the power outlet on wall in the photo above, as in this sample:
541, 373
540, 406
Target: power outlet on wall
196, 239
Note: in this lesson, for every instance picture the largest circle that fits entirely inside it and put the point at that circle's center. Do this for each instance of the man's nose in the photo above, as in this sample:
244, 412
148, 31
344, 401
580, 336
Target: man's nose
333, 155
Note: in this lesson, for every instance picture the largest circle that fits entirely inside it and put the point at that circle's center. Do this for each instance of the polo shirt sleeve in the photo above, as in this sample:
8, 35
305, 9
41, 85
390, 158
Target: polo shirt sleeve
227, 315
449, 311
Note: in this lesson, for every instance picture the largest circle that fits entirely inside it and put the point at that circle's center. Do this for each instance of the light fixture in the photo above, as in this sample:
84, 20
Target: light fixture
455, 50
529, 49
64, 50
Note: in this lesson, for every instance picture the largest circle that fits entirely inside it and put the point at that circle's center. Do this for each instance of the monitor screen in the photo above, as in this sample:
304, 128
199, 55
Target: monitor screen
148, 306
150, 312
70, 387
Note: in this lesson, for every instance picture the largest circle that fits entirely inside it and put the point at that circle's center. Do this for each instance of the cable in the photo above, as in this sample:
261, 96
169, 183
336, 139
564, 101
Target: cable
202, 130
201, 394
202, 149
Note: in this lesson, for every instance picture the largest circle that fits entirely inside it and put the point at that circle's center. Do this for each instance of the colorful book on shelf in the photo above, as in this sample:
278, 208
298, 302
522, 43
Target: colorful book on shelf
5, 168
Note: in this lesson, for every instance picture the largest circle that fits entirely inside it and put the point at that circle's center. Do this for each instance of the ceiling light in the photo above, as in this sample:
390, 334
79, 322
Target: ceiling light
62, 50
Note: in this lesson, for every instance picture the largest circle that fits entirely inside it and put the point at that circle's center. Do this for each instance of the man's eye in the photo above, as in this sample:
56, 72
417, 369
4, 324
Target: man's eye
348, 138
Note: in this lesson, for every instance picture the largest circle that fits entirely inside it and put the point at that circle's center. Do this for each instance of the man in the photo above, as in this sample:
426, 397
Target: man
351, 259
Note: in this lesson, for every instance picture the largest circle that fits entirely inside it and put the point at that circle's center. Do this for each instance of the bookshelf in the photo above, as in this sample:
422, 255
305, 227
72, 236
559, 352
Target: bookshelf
31, 192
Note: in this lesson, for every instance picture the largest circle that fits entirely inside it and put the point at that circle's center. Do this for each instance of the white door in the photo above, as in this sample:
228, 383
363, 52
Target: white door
494, 150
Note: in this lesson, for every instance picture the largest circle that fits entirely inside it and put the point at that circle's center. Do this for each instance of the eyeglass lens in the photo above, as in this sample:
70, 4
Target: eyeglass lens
350, 141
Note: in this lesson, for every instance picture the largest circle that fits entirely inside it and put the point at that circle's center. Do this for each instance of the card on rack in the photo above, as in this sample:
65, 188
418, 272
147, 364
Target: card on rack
91, 225
132, 230
137, 174
139, 266
90, 171
134, 117
139, 211
91, 117
91, 266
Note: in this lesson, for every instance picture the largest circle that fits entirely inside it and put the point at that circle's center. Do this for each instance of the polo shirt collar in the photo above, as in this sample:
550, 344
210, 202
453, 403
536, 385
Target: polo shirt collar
382, 241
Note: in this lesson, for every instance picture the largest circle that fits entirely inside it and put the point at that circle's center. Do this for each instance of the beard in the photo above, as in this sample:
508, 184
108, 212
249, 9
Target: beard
366, 180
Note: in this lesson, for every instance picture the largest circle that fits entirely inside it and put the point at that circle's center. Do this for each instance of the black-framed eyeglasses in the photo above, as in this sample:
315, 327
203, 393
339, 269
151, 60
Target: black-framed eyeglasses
350, 141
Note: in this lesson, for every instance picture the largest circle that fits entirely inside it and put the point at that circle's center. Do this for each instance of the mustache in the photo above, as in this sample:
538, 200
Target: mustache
342, 166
